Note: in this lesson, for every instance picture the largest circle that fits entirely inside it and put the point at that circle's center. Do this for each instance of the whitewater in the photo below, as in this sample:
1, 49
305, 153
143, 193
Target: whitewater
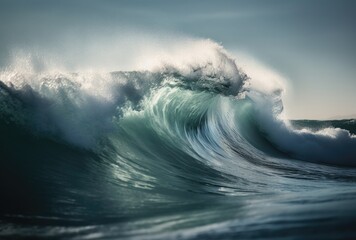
190, 147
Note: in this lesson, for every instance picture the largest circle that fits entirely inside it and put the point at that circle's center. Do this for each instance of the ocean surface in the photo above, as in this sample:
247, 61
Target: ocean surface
192, 152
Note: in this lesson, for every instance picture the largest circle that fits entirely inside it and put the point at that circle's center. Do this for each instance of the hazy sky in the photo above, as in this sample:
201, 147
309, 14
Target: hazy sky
311, 43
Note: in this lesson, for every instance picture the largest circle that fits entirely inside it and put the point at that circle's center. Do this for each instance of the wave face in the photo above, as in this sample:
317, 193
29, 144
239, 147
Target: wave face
189, 151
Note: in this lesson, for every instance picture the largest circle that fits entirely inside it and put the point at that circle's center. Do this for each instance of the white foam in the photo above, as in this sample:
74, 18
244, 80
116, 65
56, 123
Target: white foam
329, 145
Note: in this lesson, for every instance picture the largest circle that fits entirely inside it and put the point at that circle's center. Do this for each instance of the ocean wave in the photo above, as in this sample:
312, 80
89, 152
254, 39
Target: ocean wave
115, 147
80, 108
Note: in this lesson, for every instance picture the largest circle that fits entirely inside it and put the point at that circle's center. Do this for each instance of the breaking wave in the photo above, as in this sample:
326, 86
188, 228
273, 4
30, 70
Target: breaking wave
90, 149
